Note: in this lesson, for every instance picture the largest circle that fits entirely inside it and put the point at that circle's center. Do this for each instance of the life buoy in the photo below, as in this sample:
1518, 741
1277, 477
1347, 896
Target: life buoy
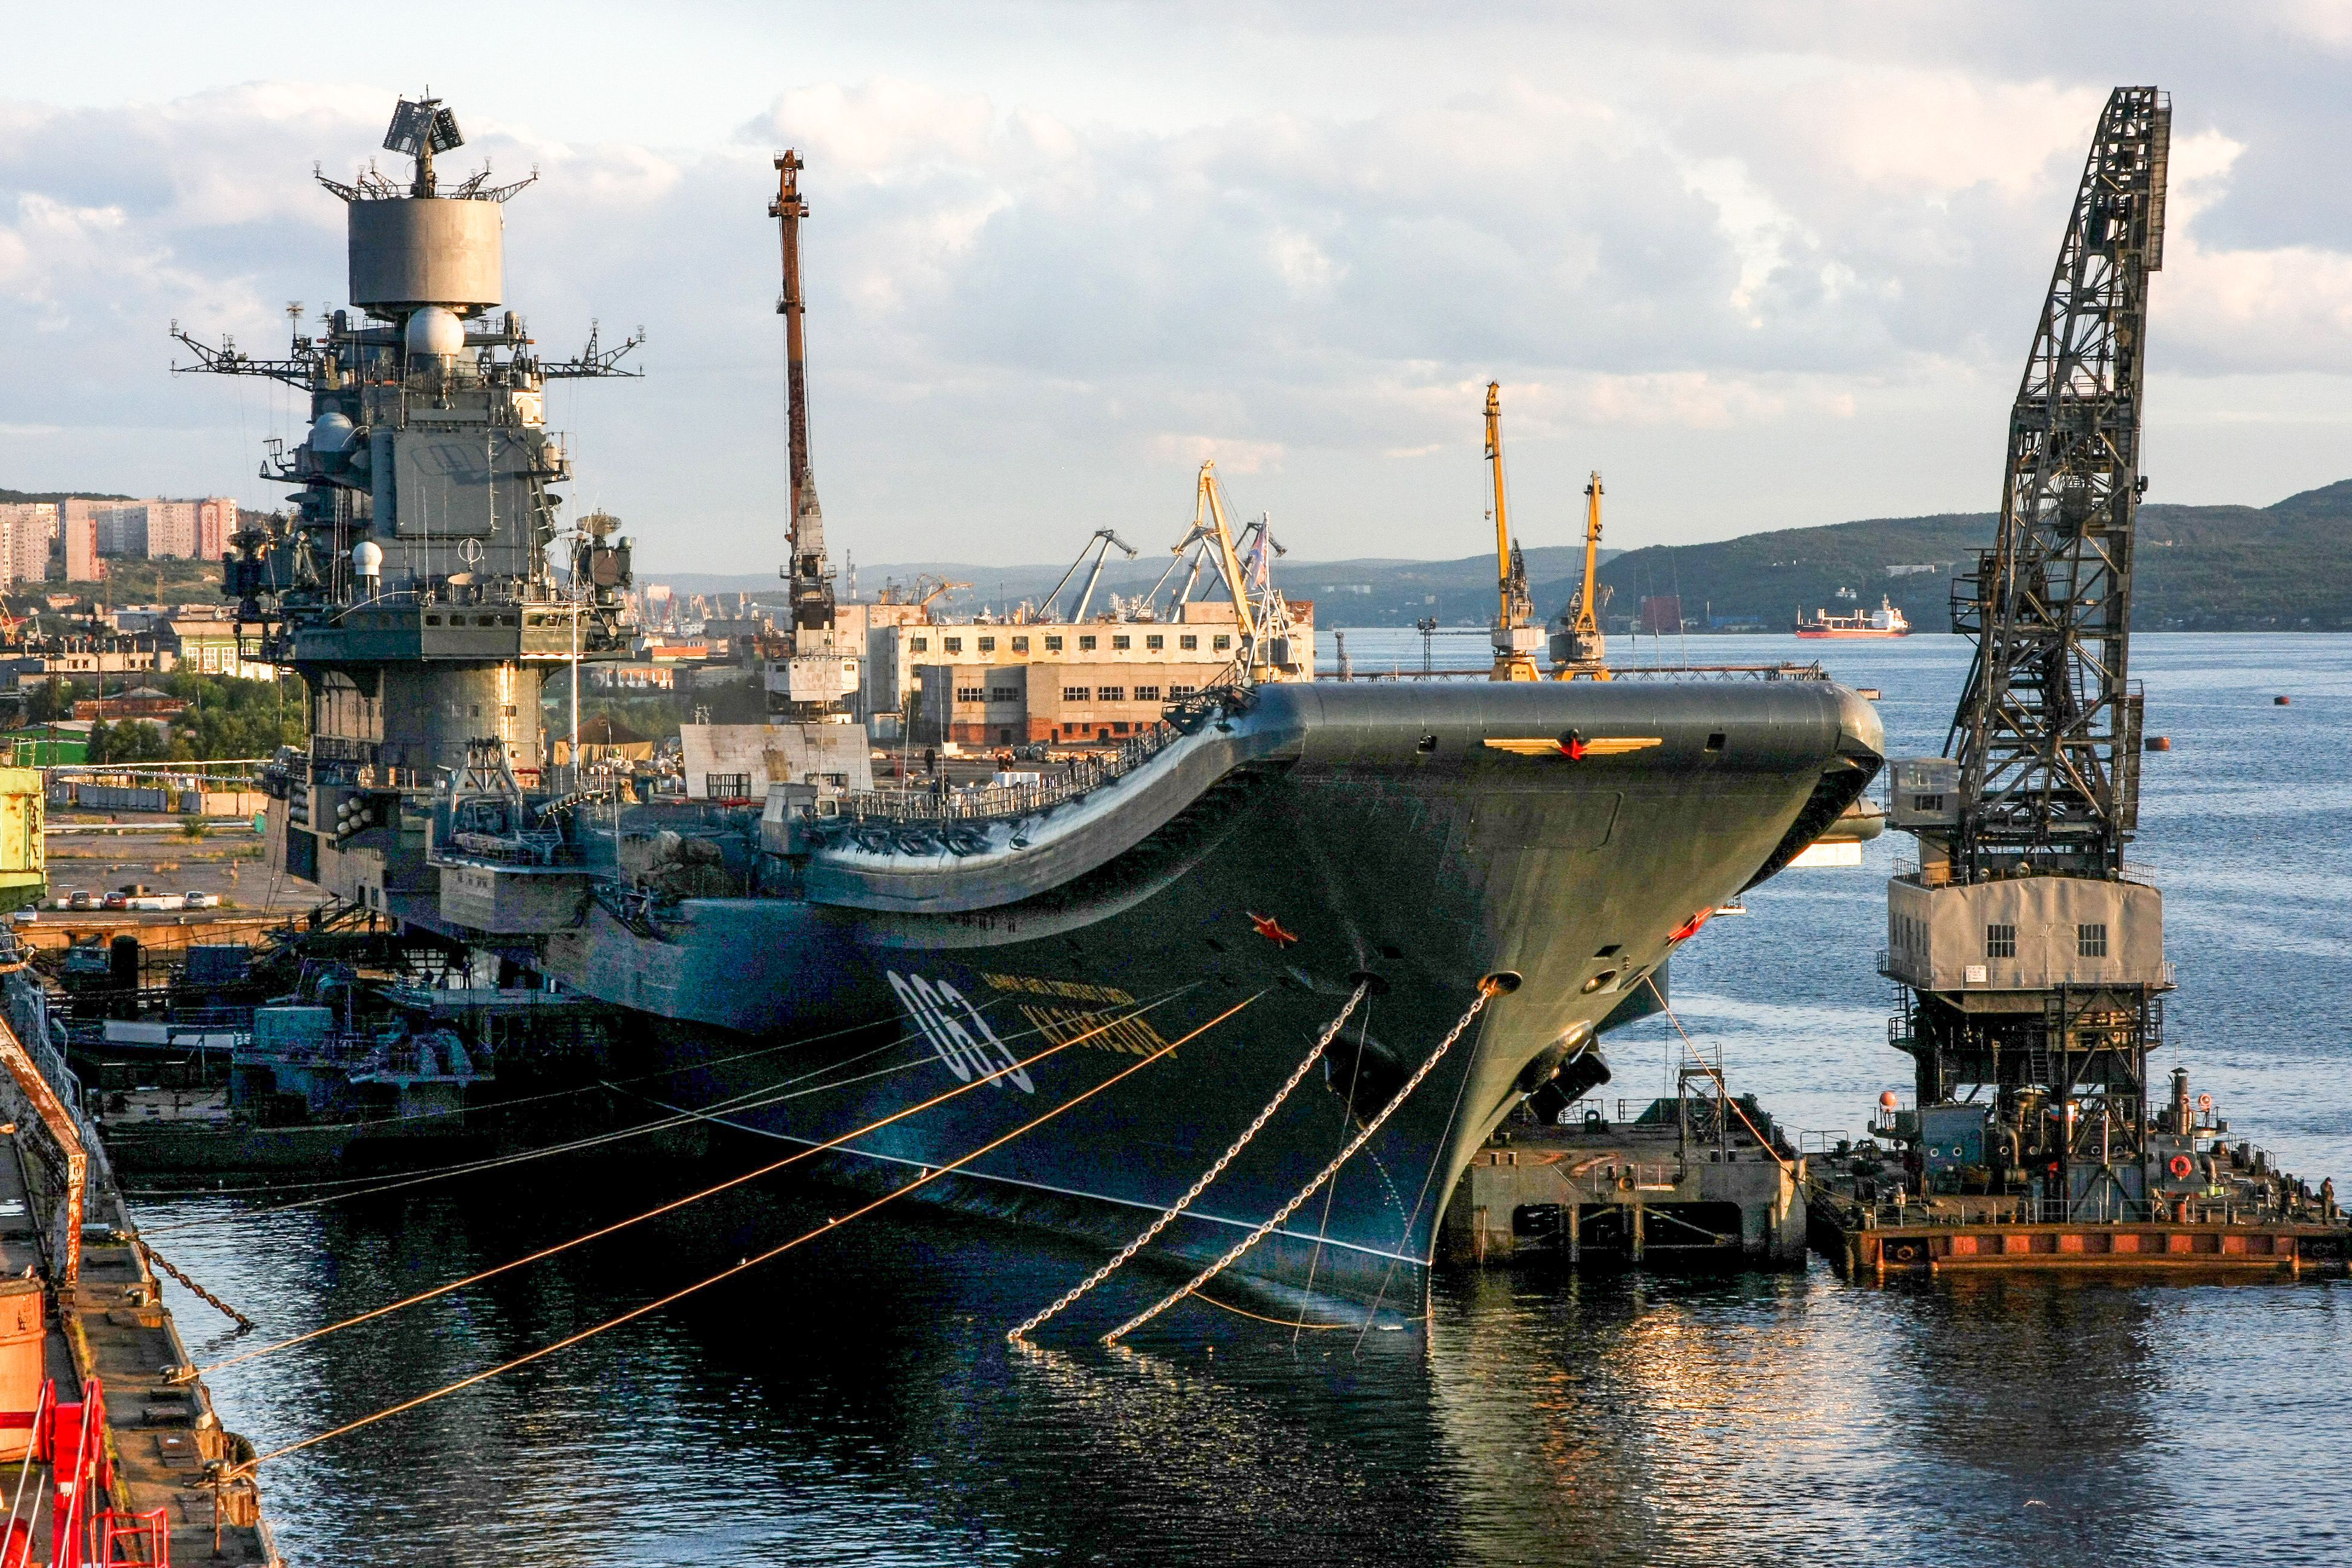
2181, 1165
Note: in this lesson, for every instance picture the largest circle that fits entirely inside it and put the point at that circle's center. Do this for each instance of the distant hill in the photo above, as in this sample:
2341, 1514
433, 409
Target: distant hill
2286, 567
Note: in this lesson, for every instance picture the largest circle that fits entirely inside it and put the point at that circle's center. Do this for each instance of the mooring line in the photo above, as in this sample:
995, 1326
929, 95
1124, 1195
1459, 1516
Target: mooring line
1168, 1215
749, 1099
675, 1117
524, 1099
674, 1205
1486, 989
932, 1174
1712, 1071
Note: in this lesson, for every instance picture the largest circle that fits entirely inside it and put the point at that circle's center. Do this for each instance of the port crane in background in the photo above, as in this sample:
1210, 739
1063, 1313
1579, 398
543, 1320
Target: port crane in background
1102, 542
2031, 959
818, 679
1516, 639
1578, 649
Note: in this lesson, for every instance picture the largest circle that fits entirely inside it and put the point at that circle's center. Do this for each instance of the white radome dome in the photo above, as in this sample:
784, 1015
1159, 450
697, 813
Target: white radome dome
331, 433
367, 558
436, 330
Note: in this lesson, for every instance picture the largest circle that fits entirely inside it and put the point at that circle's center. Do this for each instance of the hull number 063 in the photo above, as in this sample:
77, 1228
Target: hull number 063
957, 1033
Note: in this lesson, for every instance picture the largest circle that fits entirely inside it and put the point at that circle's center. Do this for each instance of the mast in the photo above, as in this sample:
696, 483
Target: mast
811, 578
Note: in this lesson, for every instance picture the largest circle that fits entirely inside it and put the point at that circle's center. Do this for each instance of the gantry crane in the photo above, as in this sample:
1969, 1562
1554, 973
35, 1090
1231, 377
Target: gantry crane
1516, 639
1578, 649
2032, 962
1102, 542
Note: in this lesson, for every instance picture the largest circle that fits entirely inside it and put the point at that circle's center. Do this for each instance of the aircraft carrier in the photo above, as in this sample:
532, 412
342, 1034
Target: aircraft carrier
822, 954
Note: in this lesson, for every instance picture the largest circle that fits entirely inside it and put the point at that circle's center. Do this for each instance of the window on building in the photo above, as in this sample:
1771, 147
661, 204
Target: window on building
1929, 804
1053, 645
1122, 644
2091, 940
1221, 643
1085, 645
1020, 645
988, 645
1073, 694
1188, 643
920, 645
1154, 643
727, 787
2001, 941
1111, 693
1147, 694
1004, 694
971, 694
839, 781
1176, 691
953, 645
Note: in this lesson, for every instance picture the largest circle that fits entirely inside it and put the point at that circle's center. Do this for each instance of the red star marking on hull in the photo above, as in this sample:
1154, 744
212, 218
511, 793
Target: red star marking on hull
1271, 929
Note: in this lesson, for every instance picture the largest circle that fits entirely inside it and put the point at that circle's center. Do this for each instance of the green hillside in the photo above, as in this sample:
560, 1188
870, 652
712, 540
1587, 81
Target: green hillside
2198, 568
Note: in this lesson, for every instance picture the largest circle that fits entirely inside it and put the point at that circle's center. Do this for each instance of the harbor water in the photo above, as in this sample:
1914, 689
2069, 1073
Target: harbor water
855, 1401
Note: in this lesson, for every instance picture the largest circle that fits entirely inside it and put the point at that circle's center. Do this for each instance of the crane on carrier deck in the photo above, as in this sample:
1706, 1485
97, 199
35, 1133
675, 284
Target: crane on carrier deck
1578, 649
1515, 638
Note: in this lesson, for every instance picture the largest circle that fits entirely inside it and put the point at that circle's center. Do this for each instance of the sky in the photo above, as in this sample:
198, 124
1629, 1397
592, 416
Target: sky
1763, 265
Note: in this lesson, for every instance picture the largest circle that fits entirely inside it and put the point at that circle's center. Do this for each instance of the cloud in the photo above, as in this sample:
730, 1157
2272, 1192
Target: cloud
1739, 262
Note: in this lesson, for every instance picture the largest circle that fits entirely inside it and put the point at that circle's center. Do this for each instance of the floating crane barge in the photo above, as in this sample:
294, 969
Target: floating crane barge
2030, 953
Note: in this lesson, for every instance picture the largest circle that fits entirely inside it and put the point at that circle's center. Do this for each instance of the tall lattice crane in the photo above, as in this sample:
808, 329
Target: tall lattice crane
2032, 963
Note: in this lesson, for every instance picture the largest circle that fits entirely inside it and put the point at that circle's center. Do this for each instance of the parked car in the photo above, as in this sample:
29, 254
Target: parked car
80, 900
199, 900
118, 901
25, 916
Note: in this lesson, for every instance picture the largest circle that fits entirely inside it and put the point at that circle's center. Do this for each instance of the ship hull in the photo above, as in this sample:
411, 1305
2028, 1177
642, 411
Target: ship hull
1816, 633
1350, 835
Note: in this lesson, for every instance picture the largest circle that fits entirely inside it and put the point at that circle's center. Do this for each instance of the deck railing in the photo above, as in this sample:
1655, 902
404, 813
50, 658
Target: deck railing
992, 802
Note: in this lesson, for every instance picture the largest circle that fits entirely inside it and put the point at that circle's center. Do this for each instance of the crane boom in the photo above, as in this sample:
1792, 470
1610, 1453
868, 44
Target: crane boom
811, 578
2046, 734
1515, 639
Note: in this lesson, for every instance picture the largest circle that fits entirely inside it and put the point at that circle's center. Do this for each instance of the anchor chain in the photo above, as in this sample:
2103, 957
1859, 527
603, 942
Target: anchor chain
1168, 1215
245, 1325
1486, 989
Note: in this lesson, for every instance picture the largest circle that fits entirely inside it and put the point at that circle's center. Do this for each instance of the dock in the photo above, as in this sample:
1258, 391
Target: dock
1685, 1183
1900, 1202
121, 1455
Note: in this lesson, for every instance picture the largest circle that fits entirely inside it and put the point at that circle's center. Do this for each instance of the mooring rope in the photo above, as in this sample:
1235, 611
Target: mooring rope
674, 1205
1712, 1071
749, 1099
245, 1325
1168, 1215
830, 1225
1486, 989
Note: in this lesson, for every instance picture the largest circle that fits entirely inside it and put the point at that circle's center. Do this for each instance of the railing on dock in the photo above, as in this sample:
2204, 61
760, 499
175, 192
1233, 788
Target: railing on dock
1948, 1211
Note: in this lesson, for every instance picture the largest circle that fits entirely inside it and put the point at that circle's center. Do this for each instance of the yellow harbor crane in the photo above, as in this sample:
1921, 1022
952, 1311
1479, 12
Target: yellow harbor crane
1515, 639
1578, 649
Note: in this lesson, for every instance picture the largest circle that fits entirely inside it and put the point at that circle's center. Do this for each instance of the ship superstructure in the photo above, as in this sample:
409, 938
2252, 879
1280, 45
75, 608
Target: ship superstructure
409, 583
